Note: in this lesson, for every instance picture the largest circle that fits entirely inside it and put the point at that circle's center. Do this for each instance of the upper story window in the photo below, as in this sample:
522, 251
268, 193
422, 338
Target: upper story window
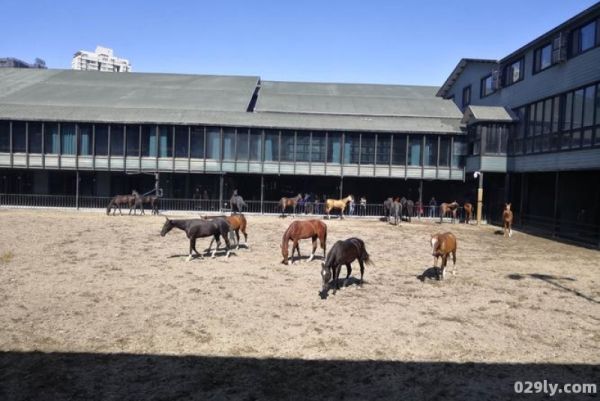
584, 38
542, 58
466, 96
487, 87
513, 72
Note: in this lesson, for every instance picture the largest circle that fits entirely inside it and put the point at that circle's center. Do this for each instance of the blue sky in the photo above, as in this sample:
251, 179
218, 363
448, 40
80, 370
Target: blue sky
393, 42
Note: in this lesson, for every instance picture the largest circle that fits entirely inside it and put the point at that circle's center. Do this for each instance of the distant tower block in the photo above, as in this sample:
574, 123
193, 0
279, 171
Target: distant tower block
103, 59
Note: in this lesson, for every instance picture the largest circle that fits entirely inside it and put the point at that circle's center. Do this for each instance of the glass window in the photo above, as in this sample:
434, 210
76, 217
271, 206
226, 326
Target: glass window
568, 111
588, 106
197, 142
487, 87
256, 145
556, 113
213, 143
116, 140
271, 145
181, 141
514, 72
542, 58
547, 116
503, 138
85, 139
399, 150
459, 152
565, 141
351, 148
67, 139
228, 144
384, 144
367, 149
35, 137
242, 144
414, 150
4, 137
430, 150
165, 141
334, 147
318, 146
576, 140
539, 118
19, 137
584, 38
587, 138
302, 146
577, 108
133, 140
149, 143
287, 146
597, 105
444, 151
466, 96
101, 139
492, 140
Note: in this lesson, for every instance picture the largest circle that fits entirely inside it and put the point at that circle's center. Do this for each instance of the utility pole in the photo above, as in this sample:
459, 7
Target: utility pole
479, 195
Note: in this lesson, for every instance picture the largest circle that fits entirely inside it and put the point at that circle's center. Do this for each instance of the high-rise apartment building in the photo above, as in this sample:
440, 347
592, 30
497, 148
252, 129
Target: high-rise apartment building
102, 59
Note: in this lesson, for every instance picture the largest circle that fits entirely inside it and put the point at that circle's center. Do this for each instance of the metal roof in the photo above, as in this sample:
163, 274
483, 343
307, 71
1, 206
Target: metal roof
455, 74
475, 114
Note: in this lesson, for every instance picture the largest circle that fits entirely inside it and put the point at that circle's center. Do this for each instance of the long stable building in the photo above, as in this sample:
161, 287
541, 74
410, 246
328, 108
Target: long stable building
530, 122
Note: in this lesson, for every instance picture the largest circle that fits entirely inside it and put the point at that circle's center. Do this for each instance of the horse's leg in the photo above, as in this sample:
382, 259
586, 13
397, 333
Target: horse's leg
195, 250
337, 278
228, 245
294, 246
314, 248
348, 271
454, 262
362, 270
298, 250
444, 261
237, 236
216, 237
192, 245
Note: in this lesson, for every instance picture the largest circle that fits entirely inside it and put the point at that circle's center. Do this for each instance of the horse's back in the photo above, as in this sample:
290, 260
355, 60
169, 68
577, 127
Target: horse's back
448, 241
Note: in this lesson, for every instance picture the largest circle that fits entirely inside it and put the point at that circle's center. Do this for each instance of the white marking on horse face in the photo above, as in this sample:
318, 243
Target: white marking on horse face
324, 273
434, 241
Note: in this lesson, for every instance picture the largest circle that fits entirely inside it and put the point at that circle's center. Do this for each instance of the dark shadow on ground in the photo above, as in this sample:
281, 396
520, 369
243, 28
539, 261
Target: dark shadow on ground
83, 376
555, 281
430, 273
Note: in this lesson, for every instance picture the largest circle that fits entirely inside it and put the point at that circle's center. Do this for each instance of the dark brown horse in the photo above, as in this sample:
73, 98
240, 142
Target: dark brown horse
237, 223
445, 208
301, 229
468, 212
153, 201
441, 246
284, 203
197, 228
507, 219
343, 253
138, 202
118, 201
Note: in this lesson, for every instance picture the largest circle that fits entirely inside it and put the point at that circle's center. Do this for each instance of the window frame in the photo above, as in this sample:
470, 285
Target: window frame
469, 88
537, 53
508, 68
482, 87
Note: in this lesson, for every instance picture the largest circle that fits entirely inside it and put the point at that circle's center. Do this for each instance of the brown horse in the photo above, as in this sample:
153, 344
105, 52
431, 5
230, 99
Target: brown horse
468, 212
340, 204
118, 201
448, 207
237, 223
343, 253
441, 246
301, 229
284, 203
507, 219
153, 201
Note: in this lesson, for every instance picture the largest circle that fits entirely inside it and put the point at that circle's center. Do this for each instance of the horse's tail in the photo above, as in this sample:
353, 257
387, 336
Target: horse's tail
109, 206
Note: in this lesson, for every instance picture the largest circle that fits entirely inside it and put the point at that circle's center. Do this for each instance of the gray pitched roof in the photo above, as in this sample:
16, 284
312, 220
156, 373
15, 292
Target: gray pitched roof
455, 74
474, 114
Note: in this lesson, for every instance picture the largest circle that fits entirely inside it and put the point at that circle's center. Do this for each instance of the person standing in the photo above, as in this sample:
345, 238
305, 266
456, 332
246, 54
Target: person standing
363, 206
351, 207
432, 207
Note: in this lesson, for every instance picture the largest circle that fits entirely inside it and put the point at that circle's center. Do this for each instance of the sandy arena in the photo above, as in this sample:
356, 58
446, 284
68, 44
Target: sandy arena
102, 307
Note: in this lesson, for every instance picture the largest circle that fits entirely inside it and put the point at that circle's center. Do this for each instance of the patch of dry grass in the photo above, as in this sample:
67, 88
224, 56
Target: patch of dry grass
6, 257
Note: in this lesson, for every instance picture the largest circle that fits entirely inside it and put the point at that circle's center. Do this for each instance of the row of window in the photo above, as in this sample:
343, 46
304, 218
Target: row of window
231, 144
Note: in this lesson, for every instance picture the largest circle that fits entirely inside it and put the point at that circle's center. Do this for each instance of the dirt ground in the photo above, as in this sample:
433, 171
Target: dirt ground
83, 283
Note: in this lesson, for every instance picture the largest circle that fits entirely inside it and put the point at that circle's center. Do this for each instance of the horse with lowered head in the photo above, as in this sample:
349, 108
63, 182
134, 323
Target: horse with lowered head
196, 228
118, 201
343, 253
340, 204
284, 203
443, 245
507, 219
301, 229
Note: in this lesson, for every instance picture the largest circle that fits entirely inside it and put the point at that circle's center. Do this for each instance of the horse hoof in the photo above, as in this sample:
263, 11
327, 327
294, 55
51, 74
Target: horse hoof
289, 263
189, 258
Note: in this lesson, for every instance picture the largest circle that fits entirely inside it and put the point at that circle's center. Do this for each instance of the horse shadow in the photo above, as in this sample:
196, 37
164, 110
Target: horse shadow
429, 274
554, 281
305, 258
342, 282
499, 232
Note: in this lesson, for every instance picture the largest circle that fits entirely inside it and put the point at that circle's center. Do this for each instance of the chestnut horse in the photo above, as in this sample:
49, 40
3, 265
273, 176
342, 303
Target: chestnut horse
340, 204
507, 219
284, 203
448, 207
343, 253
441, 246
301, 229
237, 223
468, 212
118, 201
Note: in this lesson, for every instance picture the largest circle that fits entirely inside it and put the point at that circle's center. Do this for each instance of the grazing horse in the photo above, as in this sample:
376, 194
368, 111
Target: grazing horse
237, 204
441, 246
468, 212
408, 206
196, 228
153, 201
118, 201
507, 219
340, 204
237, 223
301, 229
343, 253
284, 203
448, 207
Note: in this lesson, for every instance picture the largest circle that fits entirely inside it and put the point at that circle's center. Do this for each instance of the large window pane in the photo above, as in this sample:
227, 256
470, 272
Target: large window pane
568, 111
414, 150
85, 139
116, 140
302, 146
4, 137
597, 105
149, 142
587, 38
430, 150
133, 140
588, 106
367, 149
459, 152
318, 147
287, 146
228, 144
271, 145
67, 139
577, 108
556, 113
547, 126
181, 141
334, 147
242, 144
101, 139
383, 148
165, 141
399, 150
35, 137
351, 148
444, 151
213, 143
197, 143
256, 145
19, 137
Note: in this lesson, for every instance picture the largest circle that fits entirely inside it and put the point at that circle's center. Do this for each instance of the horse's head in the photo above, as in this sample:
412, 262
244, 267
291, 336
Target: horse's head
168, 226
325, 276
507, 206
434, 243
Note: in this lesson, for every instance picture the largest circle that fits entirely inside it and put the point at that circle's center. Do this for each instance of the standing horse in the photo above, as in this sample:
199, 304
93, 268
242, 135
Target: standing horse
237, 204
343, 253
138, 202
441, 246
397, 211
301, 229
118, 201
284, 203
408, 206
153, 201
468, 212
387, 209
507, 219
340, 204
448, 207
237, 223
195, 228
